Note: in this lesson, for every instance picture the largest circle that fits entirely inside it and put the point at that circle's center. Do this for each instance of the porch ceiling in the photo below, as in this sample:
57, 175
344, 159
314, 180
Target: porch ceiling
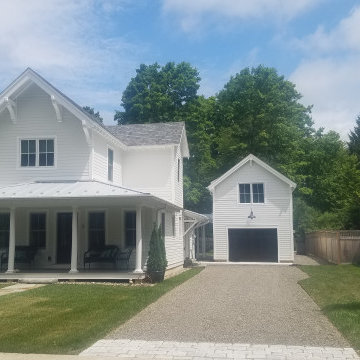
75, 193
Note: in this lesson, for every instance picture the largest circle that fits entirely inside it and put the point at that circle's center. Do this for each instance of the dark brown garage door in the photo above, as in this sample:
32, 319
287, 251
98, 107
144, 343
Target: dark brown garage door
250, 245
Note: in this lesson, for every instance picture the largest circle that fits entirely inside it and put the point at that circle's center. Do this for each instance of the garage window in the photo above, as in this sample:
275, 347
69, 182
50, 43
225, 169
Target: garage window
251, 193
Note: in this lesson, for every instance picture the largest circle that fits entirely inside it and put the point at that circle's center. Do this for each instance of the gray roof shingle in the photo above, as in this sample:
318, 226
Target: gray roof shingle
148, 134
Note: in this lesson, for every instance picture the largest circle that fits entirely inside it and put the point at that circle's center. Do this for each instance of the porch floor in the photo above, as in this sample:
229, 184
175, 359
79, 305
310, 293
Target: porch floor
82, 275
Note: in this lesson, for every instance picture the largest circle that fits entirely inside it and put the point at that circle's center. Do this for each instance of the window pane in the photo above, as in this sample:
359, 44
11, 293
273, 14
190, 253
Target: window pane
110, 164
42, 146
4, 230
50, 159
24, 146
32, 159
130, 228
42, 159
32, 146
24, 160
244, 193
96, 230
258, 193
38, 229
50, 146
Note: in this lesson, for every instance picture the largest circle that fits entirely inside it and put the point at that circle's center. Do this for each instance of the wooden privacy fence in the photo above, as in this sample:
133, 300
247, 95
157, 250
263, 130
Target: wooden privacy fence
338, 247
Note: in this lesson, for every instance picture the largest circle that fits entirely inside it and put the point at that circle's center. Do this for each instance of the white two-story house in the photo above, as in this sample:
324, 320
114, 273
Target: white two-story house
69, 184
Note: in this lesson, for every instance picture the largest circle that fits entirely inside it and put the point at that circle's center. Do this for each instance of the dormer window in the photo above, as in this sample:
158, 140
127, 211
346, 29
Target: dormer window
37, 152
251, 193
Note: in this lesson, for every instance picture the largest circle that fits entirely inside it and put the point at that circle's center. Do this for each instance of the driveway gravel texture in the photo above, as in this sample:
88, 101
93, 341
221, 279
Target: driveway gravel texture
236, 304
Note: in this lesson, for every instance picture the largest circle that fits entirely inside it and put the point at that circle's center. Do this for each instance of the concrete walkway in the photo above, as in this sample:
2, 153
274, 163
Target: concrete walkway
172, 350
16, 288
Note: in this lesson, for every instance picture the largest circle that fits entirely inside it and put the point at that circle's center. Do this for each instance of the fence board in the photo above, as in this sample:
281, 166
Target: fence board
334, 246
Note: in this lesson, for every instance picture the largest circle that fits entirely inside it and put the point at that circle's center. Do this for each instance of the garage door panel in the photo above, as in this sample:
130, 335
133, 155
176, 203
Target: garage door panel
253, 245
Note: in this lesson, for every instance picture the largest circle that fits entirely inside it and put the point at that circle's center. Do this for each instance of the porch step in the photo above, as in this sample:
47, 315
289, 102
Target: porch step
37, 280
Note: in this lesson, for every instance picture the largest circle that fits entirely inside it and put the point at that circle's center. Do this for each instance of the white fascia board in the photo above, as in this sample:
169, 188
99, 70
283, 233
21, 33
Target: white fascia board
251, 157
31, 75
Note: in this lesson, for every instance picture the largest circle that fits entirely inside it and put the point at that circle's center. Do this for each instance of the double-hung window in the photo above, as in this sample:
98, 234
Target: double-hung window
130, 228
37, 152
251, 193
38, 230
96, 230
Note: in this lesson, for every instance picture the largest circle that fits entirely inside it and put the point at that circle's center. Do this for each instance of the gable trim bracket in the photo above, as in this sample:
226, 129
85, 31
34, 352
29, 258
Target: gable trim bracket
86, 132
57, 109
11, 106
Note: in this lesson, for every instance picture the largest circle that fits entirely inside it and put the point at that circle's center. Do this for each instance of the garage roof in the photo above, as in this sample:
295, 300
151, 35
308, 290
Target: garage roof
251, 157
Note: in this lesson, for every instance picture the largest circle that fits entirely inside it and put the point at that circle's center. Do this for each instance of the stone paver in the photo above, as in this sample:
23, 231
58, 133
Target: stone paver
173, 350
16, 288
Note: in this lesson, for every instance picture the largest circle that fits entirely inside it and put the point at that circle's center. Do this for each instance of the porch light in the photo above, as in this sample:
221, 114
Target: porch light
251, 216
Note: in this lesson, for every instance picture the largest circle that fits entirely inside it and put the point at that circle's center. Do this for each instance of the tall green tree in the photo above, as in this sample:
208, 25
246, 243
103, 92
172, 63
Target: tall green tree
259, 112
354, 139
95, 115
159, 93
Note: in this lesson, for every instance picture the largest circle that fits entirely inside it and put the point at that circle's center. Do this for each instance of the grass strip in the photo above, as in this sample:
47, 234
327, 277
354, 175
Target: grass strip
67, 318
336, 289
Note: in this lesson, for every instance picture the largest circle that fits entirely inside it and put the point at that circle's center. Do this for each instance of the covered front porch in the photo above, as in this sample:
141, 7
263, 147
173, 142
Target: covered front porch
75, 231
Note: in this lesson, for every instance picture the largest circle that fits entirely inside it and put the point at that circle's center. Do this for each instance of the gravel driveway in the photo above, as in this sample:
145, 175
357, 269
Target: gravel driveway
236, 304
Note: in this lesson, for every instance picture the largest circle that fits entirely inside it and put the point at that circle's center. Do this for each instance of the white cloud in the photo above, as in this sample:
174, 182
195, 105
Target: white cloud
329, 76
345, 36
333, 87
66, 41
192, 13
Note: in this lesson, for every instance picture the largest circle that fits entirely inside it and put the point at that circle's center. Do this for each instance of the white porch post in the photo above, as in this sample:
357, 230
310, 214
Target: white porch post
11, 259
74, 241
197, 240
138, 267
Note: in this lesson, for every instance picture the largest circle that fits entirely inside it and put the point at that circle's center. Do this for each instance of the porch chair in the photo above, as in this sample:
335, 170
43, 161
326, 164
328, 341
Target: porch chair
23, 254
107, 254
124, 257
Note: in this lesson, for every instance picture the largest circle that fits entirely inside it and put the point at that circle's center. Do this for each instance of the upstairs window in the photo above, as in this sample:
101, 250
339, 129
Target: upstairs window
46, 152
110, 165
28, 152
37, 152
251, 193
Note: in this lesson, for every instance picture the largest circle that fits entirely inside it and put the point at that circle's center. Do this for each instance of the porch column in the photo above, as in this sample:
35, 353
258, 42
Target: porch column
197, 242
74, 241
138, 267
11, 259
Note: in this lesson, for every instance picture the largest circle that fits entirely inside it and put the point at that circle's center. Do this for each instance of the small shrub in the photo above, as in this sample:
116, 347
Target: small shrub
157, 253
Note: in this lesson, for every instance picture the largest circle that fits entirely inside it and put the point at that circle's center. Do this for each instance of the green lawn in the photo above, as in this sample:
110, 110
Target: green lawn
66, 318
4, 284
336, 289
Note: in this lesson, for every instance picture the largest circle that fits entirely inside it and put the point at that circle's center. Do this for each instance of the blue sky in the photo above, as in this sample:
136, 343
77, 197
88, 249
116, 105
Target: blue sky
90, 49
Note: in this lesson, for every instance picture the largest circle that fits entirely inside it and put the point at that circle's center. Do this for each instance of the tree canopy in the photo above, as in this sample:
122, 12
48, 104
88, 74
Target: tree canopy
258, 111
95, 115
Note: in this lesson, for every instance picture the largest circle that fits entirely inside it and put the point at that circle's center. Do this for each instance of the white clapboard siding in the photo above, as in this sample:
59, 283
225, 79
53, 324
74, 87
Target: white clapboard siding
35, 119
149, 170
100, 160
173, 242
276, 212
178, 181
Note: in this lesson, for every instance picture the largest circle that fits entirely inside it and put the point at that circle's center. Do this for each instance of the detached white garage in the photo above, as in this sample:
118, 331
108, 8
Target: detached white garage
253, 214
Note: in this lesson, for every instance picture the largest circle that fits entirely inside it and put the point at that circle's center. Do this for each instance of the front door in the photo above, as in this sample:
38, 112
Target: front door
64, 235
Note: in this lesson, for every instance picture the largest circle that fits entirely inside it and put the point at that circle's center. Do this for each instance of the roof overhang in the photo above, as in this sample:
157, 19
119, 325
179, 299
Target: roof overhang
76, 193
251, 158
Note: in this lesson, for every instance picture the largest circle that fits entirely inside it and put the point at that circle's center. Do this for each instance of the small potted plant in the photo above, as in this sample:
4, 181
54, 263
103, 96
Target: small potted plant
157, 262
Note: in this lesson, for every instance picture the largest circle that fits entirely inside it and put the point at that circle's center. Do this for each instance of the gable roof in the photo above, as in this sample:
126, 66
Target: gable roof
251, 157
149, 134
123, 135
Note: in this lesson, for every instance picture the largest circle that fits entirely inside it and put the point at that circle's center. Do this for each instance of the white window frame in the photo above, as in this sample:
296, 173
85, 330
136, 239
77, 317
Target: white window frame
251, 193
37, 166
112, 165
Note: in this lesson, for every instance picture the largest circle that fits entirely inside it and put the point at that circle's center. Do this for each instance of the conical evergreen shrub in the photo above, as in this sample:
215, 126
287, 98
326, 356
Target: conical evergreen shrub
157, 253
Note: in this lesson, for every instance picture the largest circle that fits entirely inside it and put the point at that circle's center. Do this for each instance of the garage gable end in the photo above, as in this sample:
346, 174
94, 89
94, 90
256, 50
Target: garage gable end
251, 158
